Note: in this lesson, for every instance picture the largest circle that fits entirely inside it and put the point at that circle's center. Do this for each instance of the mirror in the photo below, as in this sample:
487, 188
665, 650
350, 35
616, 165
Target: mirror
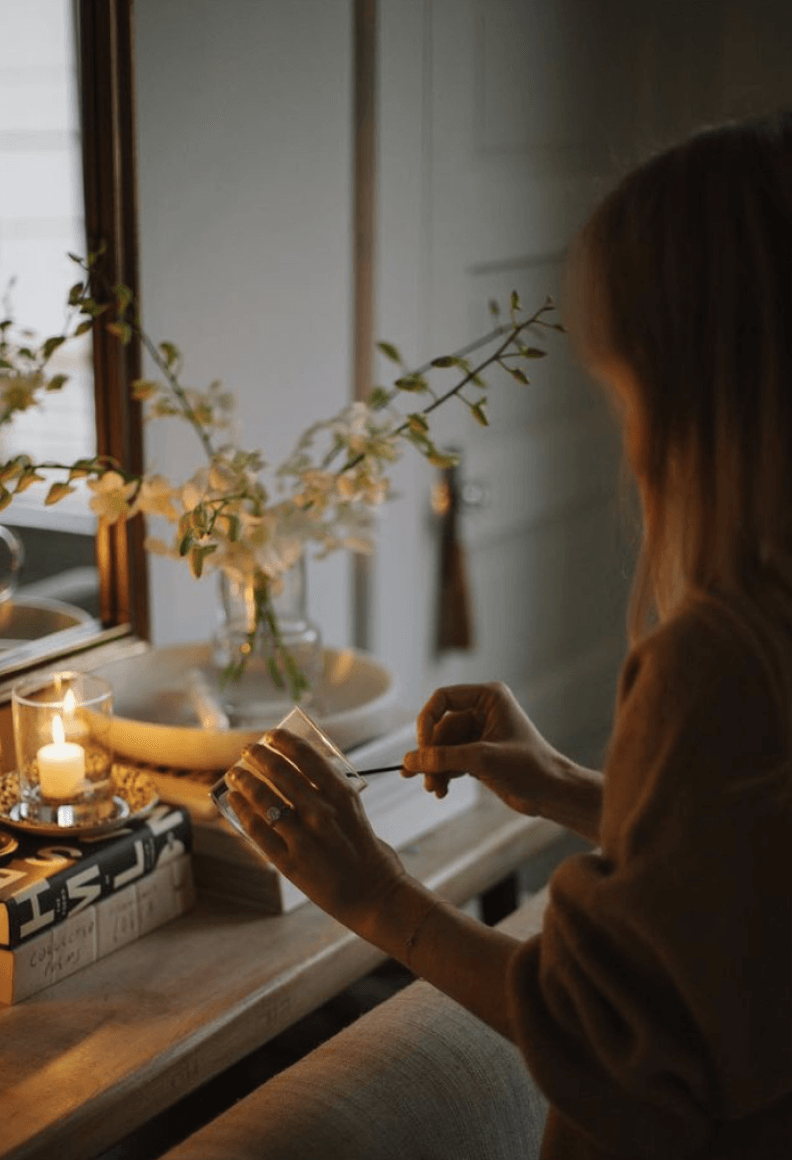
66, 131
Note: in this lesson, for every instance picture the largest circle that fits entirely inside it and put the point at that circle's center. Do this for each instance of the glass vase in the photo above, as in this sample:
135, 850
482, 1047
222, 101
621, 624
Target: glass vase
264, 670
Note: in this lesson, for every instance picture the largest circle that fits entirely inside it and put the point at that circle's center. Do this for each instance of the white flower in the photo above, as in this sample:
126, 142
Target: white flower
237, 561
222, 477
111, 496
195, 490
156, 498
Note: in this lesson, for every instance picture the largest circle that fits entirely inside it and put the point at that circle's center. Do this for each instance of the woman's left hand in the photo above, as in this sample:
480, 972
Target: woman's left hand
310, 824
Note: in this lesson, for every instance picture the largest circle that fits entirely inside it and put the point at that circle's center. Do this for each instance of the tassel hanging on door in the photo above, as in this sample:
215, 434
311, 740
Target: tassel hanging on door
454, 618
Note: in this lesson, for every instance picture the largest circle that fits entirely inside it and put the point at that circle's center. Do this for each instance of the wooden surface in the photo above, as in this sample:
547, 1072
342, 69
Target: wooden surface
89, 1060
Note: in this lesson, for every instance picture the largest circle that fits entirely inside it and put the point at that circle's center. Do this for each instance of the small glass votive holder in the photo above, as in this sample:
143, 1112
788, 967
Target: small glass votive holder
61, 727
300, 724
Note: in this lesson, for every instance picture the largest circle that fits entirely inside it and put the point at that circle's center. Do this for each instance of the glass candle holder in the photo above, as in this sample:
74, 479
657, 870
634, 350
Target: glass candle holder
299, 723
64, 759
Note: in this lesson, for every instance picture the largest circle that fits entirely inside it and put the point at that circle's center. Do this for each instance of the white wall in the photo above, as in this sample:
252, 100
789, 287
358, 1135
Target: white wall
244, 128
244, 112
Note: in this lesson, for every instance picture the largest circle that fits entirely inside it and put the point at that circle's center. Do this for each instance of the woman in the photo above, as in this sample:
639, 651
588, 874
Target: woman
653, 1009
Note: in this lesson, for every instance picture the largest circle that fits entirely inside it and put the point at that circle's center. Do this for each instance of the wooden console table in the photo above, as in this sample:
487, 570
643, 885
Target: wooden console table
89, 1060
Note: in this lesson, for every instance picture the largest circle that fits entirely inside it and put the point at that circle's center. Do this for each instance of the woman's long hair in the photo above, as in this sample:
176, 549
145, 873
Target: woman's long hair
684, 274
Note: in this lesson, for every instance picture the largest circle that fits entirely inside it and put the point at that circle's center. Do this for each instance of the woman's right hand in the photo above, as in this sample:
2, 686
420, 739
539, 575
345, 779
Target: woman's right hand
481, 730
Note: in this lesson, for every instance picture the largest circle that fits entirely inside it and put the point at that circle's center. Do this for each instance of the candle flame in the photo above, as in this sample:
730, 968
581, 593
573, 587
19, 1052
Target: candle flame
58, 735
69, 703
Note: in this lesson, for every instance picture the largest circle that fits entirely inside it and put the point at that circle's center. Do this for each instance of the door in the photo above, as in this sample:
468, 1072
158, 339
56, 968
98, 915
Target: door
487, 166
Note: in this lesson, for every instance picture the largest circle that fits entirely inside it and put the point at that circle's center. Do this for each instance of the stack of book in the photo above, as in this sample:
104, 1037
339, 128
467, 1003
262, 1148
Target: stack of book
64, 903
399, 809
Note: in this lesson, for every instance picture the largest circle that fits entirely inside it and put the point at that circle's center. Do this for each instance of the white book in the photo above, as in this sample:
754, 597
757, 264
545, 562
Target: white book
96, 931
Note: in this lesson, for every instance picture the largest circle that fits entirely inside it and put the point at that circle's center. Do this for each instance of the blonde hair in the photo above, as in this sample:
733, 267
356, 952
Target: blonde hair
684, 275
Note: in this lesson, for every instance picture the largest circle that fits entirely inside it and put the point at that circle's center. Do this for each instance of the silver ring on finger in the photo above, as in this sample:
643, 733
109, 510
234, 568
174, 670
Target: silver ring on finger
275, 814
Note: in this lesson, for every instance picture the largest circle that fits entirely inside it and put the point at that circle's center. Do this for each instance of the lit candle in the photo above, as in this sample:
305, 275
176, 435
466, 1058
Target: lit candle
61, 765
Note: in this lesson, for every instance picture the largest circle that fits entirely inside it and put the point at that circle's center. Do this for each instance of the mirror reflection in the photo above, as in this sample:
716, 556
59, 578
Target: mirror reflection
50, 585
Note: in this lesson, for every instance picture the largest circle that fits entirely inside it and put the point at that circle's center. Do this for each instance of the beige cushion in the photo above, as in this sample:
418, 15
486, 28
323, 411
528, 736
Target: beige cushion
417, 1078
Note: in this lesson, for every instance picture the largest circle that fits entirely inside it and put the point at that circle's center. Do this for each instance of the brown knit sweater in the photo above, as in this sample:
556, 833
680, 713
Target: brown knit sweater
655, 1008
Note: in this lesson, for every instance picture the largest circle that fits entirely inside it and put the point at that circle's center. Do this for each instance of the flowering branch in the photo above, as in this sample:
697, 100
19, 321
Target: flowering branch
224, 516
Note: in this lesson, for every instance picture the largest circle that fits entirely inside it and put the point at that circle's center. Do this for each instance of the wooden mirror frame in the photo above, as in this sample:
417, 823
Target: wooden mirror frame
107, 112
110, 183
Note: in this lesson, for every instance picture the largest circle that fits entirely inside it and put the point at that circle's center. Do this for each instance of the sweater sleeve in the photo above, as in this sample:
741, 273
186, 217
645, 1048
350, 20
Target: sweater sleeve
656, 1000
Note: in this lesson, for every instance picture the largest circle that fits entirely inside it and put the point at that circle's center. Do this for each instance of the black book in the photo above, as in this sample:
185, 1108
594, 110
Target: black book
45, 880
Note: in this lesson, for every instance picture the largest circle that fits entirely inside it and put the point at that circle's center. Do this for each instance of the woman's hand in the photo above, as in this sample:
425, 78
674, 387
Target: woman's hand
317, 833
481, 730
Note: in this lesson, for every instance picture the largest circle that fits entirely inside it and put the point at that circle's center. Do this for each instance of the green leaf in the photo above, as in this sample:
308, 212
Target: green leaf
418, 423
477, 410
378, 398
532, 352
197, 556
418, 438
84, 327
75, 258
390, 351
412, 382
186, 543
170, 352
143, 389
6, 366
445, 360
27, 480
10, 470
121, 330
123, 297
52, 344
57, 382
5, 498
443, 459
57, 492
494, 308
199, 518
514, 301
518, 375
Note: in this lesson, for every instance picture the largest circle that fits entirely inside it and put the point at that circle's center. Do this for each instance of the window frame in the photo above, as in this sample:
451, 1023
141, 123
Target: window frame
104, 30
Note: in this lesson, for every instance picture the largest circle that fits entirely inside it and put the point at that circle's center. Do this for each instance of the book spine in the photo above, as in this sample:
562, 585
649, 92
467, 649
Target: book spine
97, 931
123, 857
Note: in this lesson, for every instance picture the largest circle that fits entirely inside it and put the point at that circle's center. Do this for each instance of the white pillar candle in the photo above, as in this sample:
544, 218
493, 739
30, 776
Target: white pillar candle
61, 765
